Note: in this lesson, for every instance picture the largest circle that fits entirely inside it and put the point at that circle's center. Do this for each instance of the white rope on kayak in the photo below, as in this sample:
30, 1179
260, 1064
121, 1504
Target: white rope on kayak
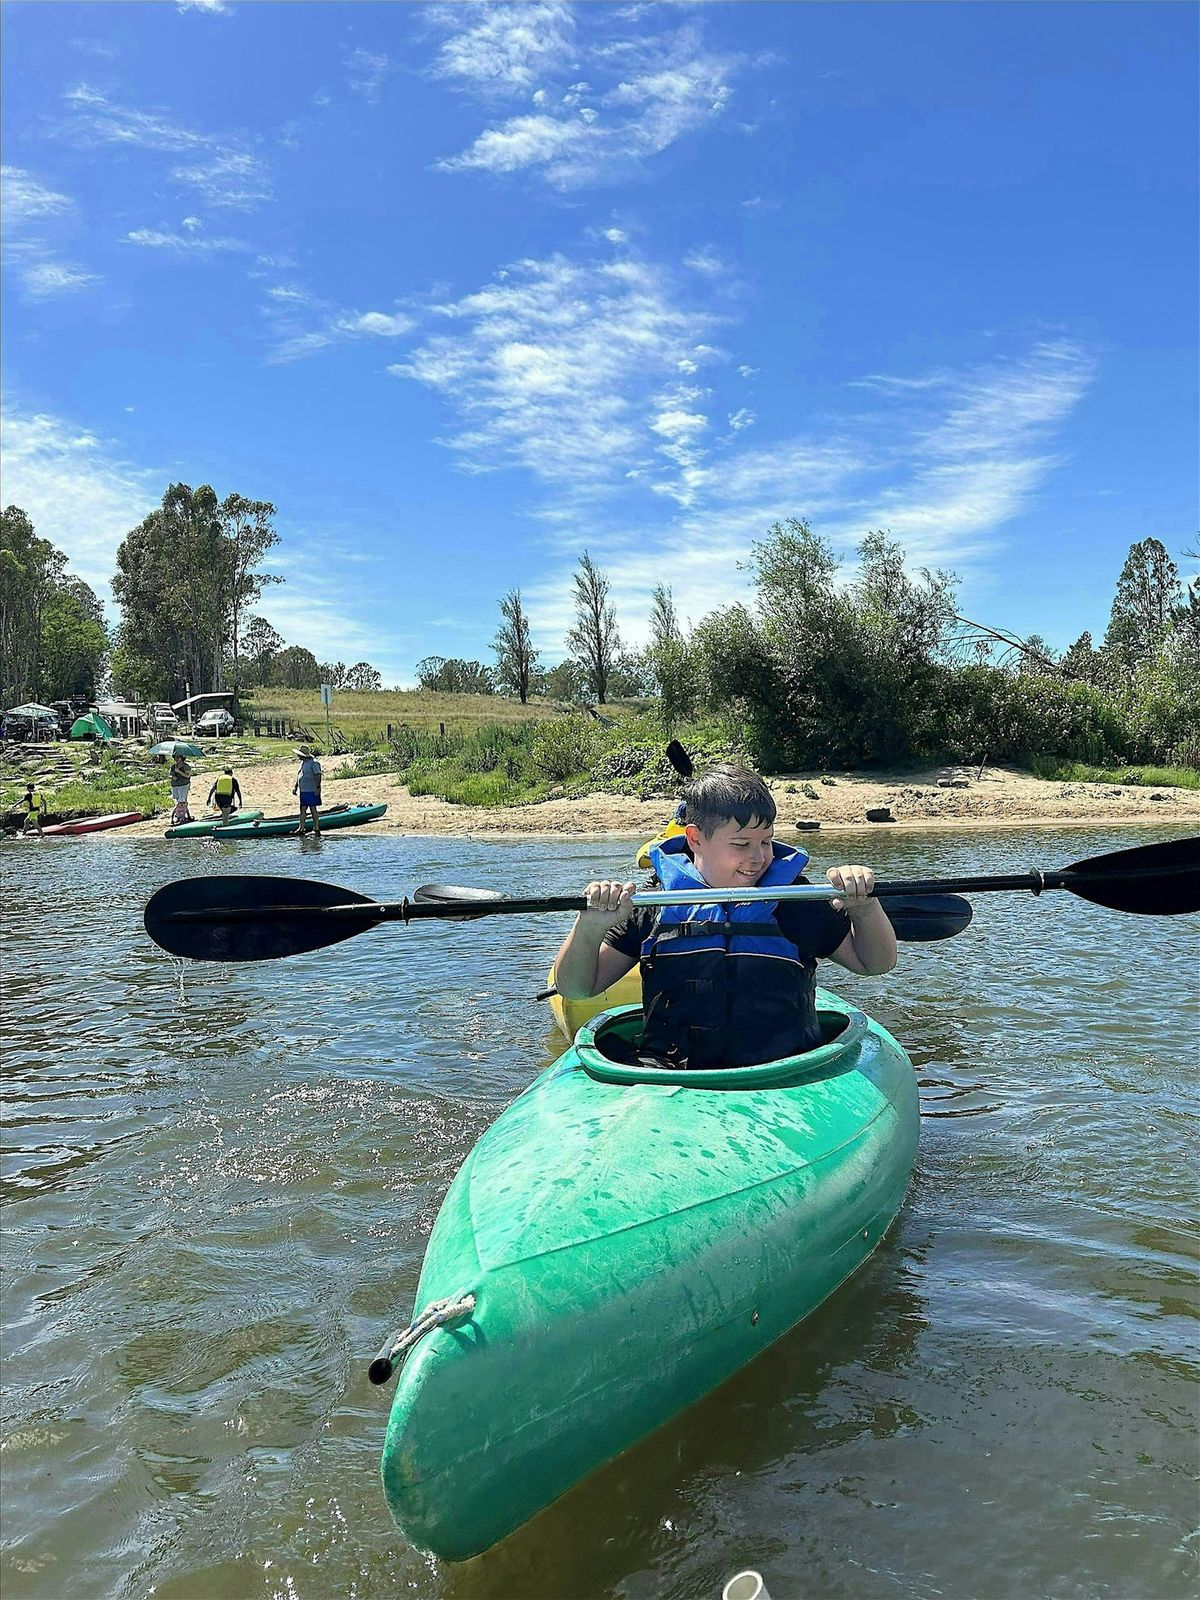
437, 1314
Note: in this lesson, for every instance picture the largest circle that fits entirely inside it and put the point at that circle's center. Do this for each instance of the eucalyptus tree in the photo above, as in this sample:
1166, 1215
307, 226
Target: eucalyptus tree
516, 658
594, 641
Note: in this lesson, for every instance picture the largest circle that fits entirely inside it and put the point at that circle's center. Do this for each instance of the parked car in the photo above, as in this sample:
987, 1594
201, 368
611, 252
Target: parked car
162, 718
214, 724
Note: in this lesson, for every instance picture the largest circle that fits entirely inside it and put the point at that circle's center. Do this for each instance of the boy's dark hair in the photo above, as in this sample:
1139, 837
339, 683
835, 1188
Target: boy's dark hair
727, 794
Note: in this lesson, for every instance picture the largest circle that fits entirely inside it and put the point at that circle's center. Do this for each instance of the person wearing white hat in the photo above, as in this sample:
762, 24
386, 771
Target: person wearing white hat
308, 786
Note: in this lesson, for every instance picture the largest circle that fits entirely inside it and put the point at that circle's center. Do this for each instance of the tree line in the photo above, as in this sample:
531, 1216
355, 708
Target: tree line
818, 670
187, 577
815, 668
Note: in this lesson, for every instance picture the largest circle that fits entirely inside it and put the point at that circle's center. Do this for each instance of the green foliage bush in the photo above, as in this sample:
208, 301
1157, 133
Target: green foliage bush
562, 749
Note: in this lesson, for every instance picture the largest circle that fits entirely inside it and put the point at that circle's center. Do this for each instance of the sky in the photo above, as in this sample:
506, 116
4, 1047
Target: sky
465, 290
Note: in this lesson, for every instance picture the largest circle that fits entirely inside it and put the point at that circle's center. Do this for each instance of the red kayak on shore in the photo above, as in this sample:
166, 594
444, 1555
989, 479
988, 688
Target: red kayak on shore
115, 819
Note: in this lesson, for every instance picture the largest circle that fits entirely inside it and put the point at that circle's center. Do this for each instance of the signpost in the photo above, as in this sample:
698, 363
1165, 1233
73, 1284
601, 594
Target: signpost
326, 698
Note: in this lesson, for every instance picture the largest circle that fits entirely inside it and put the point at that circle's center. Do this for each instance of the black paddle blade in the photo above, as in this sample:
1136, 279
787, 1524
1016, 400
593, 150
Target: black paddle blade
679, 759
251, 918
925, 918
1154, 880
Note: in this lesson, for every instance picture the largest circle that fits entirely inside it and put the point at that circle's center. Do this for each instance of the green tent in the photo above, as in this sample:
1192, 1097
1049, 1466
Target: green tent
93, 726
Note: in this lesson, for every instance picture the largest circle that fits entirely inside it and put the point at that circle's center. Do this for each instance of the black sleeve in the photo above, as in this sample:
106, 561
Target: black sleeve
814, 927
628, 934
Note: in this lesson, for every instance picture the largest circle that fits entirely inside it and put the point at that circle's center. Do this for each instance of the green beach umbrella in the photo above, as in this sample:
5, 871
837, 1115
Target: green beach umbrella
176, 747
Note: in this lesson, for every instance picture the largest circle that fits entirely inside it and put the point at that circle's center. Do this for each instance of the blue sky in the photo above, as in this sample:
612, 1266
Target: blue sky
466, 289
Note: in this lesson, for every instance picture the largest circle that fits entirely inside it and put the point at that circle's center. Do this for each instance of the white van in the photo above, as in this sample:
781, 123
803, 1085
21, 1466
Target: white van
162, 718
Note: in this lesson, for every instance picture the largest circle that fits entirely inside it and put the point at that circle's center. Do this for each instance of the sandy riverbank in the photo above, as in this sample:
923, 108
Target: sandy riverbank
997, 796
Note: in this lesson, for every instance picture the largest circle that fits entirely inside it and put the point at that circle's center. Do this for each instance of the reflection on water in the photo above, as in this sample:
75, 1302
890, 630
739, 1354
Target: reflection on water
219, 1181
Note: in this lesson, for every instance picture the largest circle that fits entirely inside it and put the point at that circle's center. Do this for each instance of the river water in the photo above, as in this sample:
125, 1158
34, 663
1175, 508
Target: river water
218, 1181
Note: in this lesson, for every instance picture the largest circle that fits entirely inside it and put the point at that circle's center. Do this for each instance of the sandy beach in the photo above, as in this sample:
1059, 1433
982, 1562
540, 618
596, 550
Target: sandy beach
995, 796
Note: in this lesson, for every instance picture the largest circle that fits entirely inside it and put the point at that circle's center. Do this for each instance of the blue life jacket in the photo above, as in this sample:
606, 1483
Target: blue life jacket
721, 985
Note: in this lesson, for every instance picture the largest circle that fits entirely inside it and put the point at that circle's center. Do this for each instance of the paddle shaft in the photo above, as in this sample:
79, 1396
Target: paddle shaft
413, 911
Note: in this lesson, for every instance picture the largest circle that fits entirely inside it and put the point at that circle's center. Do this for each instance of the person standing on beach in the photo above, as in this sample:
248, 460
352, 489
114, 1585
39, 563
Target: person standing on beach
308, 787
181, 782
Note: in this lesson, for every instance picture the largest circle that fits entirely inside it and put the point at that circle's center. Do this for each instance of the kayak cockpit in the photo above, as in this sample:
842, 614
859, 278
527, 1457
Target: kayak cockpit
606, 1049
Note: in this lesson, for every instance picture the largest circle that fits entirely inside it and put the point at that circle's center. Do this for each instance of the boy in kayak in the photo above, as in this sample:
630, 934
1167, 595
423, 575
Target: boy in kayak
727, 985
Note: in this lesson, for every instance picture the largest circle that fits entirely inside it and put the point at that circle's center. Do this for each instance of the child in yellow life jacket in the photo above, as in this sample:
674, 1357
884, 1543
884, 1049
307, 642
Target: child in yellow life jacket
727, 985
226, 794
35, 809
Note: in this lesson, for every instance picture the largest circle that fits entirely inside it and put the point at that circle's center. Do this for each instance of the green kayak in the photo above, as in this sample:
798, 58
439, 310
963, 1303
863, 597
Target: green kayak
617, 1244
207, 825
280, 827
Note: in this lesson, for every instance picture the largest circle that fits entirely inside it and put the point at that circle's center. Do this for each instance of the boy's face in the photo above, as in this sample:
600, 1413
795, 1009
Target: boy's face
733, 857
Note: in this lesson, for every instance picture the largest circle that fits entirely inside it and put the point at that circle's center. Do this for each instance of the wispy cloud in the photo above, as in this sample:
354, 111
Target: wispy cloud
596, 101
214, 8
222, 170
189, 244
26, 200
31, 211
365, 72
301, 324
503, 49
586, 376
43, 279
230, 178
565, 369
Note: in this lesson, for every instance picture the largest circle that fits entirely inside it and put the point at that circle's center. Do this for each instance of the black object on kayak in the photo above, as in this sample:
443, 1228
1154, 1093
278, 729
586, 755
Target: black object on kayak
260, 918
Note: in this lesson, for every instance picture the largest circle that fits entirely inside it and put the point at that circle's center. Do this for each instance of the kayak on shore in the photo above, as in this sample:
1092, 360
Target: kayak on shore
206, 825
280, 827
115, 819
618, 1243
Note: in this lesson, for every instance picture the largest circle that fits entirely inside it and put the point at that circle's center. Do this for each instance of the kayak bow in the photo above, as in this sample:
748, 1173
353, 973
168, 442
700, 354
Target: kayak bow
619, 1243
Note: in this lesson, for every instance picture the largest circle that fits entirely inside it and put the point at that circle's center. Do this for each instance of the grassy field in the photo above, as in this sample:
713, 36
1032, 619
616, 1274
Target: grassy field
414, 708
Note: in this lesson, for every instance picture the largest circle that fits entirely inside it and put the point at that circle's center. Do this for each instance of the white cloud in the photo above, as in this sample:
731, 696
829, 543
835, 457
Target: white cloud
379, 323
103, 48
230, 178
96, 117
222, 171
706, 261
503, 48
26, 200
46, 278
191, 243
214, 8
365, 72
28, 207
747, 372
742, 418
76, 490
301, 324
640, 94
548, 368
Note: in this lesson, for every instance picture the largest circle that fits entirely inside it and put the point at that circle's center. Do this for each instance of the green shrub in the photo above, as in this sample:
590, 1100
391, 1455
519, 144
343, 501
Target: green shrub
561, 749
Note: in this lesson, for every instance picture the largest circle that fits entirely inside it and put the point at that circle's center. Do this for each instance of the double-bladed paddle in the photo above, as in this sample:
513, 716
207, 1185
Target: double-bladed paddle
261, 918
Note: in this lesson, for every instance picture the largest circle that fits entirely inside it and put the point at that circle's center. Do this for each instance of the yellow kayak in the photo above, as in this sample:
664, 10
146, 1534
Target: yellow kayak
570, 1015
